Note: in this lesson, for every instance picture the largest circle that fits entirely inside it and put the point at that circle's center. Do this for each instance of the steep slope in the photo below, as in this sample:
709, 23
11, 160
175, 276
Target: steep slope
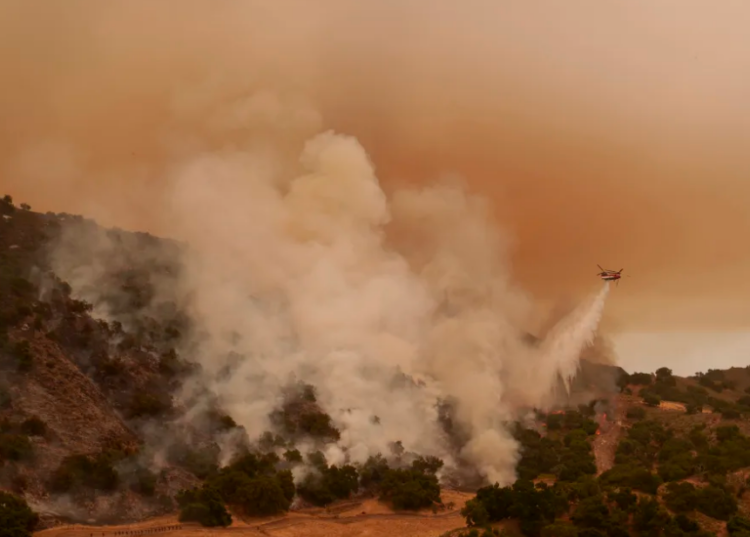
75, 392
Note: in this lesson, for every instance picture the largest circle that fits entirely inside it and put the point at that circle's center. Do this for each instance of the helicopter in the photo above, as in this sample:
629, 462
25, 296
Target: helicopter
610, 275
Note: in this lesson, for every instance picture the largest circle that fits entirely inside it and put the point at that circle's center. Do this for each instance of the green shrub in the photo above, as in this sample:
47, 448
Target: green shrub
262, 495
413, 488
688, 525
170, 364
649, 517
24, 356
681, 497
716, 503
534, 506
34, 426
5, 398
633, 476
107, 366
318, 424
16, 518
372, 472
554, 422
330, 484
475, 513
15, 447
624, 498
301, 416
730, 414
293, 456
269, 441
591, 513
642, 379
254, 485
738, 525
149, 404
80, 471
203, 505
548, 455
145, 482
202, 463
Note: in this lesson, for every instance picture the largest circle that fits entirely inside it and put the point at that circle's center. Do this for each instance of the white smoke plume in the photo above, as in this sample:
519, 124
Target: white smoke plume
301, 267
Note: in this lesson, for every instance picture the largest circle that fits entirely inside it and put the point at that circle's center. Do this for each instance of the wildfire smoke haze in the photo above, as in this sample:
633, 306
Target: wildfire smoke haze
300, 149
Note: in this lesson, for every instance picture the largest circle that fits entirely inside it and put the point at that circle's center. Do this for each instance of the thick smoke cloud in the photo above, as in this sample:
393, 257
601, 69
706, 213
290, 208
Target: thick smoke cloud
210, 123
298, 270
292, 277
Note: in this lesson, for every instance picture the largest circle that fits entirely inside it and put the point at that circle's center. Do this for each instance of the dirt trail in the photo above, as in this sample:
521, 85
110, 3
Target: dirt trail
605, 444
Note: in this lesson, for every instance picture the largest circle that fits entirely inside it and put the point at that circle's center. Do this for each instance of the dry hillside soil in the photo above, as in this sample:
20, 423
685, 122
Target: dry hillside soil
347, 519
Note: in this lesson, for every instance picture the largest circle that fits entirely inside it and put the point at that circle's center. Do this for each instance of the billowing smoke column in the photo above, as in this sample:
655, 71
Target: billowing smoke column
302, 268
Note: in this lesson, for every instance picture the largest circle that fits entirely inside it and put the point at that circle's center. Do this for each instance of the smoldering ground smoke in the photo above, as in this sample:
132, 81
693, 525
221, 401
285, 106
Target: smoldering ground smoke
290, 277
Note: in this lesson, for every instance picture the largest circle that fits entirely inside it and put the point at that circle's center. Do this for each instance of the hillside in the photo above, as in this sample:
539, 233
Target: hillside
101, 421
75, 391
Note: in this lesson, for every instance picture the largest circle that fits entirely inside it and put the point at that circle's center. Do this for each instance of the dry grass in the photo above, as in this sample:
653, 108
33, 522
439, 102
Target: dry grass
671, 405
346, 519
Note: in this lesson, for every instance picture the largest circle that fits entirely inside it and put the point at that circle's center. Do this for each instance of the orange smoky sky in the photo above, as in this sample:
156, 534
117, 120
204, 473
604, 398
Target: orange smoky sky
610, 133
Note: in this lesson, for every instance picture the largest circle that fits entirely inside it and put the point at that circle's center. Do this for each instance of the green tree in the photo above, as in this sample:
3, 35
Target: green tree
642, 379
261, 496
632, 476
681, 497
293, 456
475, 513
203, 505
253, 484
649, 517
410, 489
81, 471
624, 498
329, 484
737, 525
591, 513
554, 422
372, 473
716, 503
